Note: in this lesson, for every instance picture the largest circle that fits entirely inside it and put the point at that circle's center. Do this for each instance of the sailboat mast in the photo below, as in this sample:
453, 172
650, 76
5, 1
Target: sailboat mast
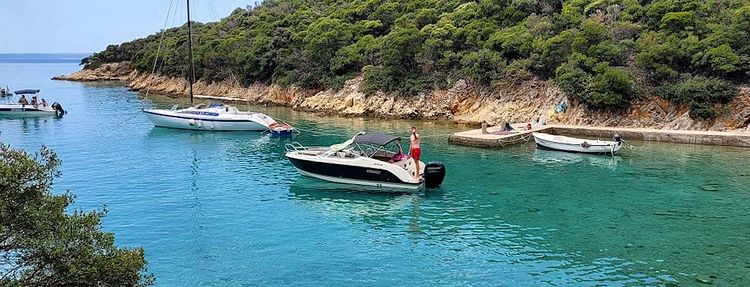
191, 77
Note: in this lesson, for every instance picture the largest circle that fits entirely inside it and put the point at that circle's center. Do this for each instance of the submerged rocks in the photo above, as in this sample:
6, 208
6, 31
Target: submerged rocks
703, 279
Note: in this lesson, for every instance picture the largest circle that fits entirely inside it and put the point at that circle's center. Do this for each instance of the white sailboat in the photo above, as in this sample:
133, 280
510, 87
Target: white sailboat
211, 117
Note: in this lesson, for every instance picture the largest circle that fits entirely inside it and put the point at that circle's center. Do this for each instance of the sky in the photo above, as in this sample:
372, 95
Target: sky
84, 26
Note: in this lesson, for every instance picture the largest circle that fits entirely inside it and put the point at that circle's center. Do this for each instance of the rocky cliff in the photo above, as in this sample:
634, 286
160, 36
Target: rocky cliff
461, 103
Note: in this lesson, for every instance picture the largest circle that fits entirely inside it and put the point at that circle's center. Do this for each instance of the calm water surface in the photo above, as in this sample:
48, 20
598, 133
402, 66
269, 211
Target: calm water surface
226, 209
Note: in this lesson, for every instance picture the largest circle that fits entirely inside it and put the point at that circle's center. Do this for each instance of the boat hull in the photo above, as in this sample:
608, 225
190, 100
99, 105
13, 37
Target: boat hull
170, 120
584, 146
358, 172
25, 111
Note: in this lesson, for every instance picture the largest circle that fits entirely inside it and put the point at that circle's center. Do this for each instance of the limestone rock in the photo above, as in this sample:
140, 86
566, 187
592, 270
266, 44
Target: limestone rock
517, 102
106, 72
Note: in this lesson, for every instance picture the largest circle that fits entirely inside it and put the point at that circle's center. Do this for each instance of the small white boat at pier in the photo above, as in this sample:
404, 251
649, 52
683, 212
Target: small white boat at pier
569, 144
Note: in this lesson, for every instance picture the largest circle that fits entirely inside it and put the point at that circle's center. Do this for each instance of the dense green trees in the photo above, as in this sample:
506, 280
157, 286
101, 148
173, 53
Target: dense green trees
593, 49
43, 245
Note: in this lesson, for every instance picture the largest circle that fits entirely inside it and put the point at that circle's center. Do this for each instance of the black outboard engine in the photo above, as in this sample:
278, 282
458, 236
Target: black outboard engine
434, 173
59, 111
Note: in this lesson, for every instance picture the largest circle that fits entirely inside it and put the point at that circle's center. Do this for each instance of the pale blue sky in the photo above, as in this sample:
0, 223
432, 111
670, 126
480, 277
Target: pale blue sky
73, 26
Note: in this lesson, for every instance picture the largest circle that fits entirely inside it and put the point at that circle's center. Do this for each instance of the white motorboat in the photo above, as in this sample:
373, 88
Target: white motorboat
213, 117
374, 160
30, 110
569, 144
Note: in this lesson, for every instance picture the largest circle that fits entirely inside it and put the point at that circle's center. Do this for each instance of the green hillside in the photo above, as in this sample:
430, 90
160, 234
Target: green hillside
602, 52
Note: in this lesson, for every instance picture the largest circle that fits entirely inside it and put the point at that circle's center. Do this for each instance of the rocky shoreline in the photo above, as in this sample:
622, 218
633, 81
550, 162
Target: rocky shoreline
461, 103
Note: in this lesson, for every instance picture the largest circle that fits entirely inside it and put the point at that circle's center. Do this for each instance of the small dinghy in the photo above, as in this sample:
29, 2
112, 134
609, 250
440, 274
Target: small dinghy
281, 129
569, 144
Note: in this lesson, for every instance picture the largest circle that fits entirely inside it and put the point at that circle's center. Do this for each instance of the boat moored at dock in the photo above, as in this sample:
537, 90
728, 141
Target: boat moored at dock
570, 144
374, 160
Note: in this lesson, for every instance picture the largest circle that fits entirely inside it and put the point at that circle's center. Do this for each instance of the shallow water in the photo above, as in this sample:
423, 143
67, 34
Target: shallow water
227, 209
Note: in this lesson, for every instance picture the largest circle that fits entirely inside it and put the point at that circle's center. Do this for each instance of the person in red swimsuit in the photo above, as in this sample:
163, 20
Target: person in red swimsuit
415, 151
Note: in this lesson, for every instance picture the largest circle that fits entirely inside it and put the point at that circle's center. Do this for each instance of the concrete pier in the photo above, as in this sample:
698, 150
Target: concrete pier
499, 139
495, 137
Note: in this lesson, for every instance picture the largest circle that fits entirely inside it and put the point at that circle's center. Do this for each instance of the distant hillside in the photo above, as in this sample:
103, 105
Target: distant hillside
603, 53
42, 57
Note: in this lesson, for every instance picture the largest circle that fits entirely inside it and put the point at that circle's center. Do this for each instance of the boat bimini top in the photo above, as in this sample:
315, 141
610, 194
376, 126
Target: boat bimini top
26, 92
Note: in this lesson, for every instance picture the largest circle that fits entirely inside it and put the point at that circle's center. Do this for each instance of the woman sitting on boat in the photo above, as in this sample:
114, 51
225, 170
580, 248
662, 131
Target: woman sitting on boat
23, 101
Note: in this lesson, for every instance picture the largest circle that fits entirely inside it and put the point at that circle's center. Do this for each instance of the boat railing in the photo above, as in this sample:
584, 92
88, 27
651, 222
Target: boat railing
295, 146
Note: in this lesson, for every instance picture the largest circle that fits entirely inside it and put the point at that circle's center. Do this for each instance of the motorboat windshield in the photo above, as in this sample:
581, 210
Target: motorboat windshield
378, 146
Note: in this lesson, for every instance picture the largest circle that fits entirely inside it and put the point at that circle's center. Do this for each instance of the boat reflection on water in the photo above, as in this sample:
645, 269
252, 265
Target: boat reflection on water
361, 203
559, 158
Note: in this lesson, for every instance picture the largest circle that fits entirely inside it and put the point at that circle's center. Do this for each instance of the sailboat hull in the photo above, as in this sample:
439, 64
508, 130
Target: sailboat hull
169, 120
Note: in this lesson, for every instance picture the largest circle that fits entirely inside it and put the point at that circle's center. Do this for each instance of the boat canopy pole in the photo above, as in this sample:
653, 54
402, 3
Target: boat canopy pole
190, 53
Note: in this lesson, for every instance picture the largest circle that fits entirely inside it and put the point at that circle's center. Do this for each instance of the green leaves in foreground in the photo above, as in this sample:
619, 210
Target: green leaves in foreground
43, 245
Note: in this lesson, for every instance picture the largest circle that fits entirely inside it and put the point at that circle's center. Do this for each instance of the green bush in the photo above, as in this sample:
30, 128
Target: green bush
610, 88
484, 67
704, 95
46, 242
416, 45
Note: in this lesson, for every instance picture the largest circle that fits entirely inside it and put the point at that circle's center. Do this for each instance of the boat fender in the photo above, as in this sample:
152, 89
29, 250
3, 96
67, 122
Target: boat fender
585, 144
434, 173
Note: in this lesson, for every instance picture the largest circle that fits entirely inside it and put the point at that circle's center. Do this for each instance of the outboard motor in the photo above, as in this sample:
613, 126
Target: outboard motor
59, 111
434, 173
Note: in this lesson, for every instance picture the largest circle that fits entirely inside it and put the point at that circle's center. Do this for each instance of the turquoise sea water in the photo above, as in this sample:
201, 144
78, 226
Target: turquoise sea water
227, 209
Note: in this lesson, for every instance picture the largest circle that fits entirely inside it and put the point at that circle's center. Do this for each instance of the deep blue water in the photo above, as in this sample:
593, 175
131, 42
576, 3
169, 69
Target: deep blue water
227, 209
